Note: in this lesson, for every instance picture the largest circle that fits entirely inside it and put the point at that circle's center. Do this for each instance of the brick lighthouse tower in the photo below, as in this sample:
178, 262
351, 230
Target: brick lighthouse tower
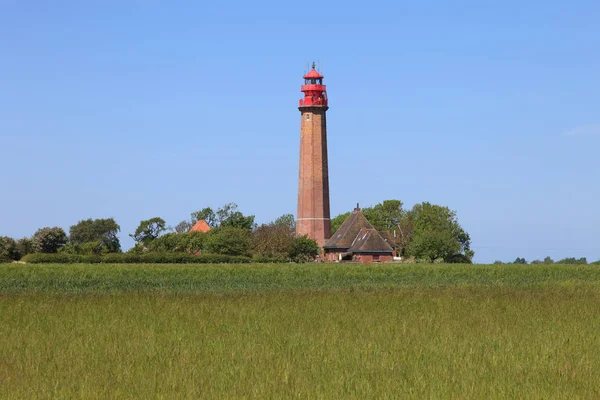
313, 180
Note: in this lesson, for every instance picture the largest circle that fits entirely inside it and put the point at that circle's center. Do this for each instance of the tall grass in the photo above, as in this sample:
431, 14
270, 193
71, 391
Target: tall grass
103, 278
420, 343
299, 331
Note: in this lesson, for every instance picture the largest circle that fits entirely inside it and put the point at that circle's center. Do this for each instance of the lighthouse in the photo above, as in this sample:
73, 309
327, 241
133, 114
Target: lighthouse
313, 217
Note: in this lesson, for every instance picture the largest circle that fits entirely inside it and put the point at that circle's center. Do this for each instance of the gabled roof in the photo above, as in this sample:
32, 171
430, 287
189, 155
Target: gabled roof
200, 226
345, 235
369, 240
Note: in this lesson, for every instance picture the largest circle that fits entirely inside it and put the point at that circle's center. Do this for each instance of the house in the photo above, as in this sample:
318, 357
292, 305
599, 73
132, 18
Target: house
357, 240
200, 226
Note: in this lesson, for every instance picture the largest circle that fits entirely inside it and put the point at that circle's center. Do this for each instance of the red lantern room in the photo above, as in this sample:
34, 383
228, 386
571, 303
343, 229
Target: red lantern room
315, 93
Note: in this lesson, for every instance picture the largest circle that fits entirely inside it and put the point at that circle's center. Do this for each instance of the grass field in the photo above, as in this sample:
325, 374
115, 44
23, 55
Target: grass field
300, 331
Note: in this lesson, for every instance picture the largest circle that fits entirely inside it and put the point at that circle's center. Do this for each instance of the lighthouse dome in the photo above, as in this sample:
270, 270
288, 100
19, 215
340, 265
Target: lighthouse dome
313, 74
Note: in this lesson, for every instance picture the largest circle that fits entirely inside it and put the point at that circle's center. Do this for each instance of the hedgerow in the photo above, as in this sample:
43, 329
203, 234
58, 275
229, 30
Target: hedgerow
146, 258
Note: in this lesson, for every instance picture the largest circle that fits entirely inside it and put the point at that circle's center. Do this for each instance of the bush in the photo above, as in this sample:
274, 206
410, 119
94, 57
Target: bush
50, 258
190, 242
304, 249
8, 249
269, 260
228, 240
48, 240
128, 258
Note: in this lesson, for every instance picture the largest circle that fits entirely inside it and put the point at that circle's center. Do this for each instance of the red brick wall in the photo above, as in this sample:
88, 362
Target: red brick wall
366, 258
369, 258
313, 217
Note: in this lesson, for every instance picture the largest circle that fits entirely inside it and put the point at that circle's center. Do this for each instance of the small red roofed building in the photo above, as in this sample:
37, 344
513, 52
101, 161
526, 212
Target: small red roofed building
357, 240
200, 226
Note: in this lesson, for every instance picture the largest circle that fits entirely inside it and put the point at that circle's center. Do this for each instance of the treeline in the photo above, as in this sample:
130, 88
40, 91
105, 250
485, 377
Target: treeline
548, 260
424, 233
232, 234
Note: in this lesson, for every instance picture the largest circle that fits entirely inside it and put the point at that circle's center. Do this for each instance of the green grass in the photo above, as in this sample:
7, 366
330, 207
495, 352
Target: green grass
233, 278
293, 331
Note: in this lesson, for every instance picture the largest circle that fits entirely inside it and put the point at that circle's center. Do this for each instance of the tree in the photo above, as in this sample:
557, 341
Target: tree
228, 240
436, 233
149, 230
25, 246
48, 240
385, 216
228, 215
183, 226
206, 214
190, 242
537, 262
520, 261
273, 240
572, 260
548, 260
8, 249
304, 249
286, 220
96, 230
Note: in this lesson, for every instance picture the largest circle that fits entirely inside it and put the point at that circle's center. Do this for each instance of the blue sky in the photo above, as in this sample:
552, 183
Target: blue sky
136, 109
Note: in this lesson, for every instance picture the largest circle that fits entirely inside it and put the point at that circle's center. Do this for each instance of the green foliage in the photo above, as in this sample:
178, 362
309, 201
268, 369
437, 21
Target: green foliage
229, 216
169, 242
273, 240
437, 233
234, 241
206, 214
183, 226
9, 250
520, 261
385, 216
25, 246
48, 240
190, 242
132, 258
226, 216
93, 230
286, 220
149, 230
304, 249
49, 258
458, 259
548, 260
573, 260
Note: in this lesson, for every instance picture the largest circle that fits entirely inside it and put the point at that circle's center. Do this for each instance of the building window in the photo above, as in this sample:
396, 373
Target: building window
375, 257
308, 117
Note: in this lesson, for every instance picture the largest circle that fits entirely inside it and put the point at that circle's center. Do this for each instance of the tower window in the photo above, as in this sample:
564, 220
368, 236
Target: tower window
308, 117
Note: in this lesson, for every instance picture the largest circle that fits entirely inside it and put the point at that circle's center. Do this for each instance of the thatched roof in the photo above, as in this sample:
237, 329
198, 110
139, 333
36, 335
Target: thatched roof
369, 240
357, 235
345, 235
